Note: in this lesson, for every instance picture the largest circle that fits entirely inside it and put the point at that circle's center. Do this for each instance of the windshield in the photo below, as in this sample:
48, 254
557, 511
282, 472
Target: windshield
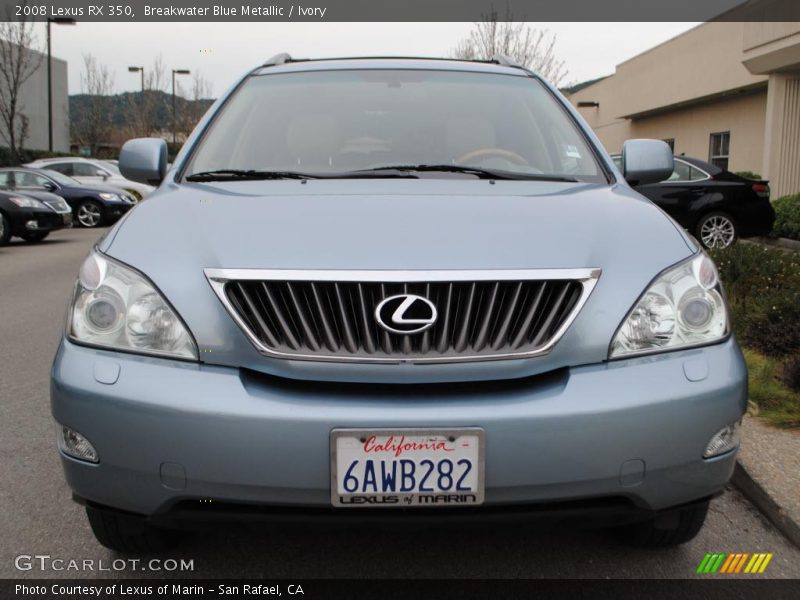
109, 166
329, 122
60, 177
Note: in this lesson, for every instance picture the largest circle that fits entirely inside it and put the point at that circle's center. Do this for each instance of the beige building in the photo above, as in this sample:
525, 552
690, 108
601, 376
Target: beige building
724, 92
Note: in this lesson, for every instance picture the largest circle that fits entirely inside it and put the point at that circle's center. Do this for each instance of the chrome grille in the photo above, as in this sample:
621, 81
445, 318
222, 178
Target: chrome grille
328, 315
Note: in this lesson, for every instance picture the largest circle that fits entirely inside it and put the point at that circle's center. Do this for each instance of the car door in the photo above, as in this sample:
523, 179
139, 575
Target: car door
679, 193
86, 172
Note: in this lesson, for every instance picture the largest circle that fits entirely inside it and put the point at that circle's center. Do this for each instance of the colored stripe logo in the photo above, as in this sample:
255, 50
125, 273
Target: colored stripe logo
733, 563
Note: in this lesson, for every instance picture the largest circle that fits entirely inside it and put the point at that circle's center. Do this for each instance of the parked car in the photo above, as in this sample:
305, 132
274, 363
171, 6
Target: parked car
30, 217
95, 172
92, 205
407, 284
715, 205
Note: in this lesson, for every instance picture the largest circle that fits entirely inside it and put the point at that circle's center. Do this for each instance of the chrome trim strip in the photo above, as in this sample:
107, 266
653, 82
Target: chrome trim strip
398, 276
217, 278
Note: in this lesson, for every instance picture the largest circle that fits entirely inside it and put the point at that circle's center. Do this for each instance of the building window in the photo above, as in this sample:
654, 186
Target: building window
718, 147
671, 143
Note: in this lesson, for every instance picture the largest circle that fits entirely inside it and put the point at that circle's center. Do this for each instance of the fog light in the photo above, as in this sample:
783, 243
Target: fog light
73, 444
32, 225
725, 440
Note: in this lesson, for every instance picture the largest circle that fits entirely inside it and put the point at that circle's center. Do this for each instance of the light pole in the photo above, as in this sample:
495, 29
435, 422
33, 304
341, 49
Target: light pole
57, 21
174, 113
140, 70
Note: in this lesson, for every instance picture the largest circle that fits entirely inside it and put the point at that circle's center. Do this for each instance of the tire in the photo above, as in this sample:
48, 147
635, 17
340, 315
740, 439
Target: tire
5, 230
32, 238
89, 214
670, 529
717, 230
129, 534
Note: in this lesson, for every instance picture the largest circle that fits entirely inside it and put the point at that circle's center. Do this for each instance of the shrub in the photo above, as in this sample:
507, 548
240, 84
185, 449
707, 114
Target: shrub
787, 217
763, 288
791, 372
26, 156
748, 174
775, 401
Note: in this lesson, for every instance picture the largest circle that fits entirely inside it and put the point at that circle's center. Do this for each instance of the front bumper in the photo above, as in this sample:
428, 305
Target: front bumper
167, 431
39, 220
115, 210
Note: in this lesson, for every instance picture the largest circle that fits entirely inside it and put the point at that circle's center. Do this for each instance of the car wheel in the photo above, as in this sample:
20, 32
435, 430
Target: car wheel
90, 214
5, 230
670, 529
717, 230
34, 237
127, 533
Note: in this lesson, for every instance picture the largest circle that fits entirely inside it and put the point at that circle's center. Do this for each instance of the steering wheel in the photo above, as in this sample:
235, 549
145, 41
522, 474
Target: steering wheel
481, 152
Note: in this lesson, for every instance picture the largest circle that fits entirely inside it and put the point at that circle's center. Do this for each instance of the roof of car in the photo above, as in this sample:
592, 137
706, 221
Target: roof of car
286, 64
61, 159
707, 167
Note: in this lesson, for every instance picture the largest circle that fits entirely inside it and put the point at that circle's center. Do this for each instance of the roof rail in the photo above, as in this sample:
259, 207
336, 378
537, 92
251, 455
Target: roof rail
506, 61
278, 59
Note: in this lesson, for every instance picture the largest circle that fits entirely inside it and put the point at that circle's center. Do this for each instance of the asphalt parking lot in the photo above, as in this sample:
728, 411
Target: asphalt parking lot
37, 516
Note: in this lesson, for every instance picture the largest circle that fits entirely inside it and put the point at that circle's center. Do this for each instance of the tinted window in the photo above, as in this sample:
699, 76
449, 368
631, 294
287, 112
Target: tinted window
81, 169
28, 179
65, 168
682, 172
339, 121
61, 178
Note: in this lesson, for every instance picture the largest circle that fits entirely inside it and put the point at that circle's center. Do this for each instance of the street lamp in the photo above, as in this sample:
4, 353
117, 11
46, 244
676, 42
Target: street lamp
57, 21
174, 117
140, 70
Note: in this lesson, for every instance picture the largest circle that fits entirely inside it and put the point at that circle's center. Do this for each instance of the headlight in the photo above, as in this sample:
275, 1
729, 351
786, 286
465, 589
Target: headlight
25, 202
106, 196
116, 307
683, 307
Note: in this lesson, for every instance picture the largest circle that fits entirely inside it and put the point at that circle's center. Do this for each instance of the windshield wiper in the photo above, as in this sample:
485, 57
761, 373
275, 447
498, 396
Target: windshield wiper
253, 175
242, 174
477, 171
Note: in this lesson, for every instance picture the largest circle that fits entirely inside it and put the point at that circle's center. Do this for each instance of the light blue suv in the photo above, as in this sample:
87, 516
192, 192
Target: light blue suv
399, 289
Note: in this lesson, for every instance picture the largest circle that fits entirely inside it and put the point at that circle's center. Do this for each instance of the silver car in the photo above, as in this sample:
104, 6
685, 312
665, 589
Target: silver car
396, 288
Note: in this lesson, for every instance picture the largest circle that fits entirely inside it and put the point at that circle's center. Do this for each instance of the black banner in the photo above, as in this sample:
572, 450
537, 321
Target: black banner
391, 589
408, 10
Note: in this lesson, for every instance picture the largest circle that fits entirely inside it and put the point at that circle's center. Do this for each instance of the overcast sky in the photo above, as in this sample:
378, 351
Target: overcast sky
222, 51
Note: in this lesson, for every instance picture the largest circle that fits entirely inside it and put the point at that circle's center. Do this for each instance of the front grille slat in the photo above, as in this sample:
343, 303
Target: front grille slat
347, 329
299, 308
510, 312
274, 302
486, 321
463, 335
332, 319
327, 330
551, 315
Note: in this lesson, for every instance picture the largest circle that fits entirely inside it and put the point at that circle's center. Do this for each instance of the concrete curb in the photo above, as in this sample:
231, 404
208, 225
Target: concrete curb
779, 242
759, 497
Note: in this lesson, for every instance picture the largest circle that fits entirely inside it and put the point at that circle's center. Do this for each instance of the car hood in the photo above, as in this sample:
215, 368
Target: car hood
398, 224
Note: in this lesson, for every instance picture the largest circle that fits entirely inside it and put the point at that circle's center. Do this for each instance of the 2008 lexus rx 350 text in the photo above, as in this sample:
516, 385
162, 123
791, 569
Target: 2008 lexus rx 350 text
396, 288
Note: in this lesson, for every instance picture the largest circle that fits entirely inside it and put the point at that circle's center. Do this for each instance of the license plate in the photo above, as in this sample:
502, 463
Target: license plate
407, 468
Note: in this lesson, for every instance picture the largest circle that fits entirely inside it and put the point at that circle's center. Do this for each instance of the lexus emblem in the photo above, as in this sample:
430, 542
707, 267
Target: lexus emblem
405, 314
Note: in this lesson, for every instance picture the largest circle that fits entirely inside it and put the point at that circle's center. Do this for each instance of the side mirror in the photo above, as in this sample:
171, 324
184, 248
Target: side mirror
144, 160
101, 173
49, 186
646, 161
